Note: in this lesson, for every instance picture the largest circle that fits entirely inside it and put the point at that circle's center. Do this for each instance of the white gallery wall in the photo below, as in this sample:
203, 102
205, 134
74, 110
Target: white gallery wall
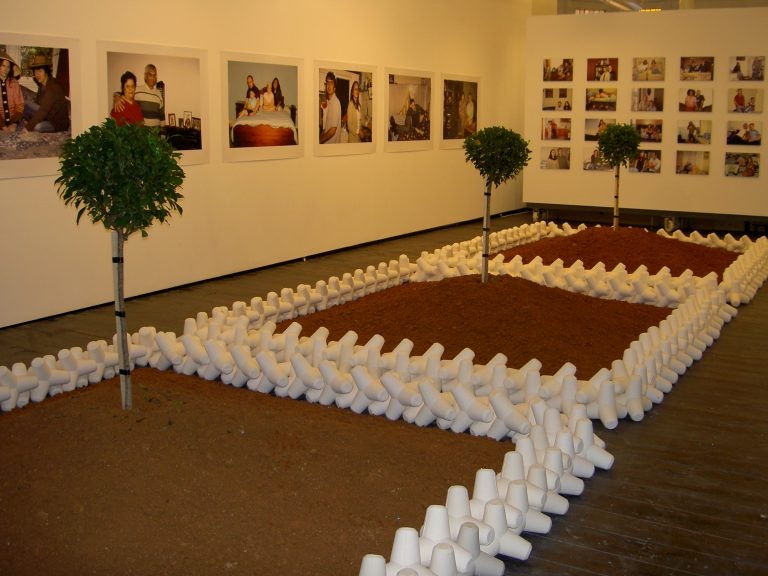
242, 215
721, 34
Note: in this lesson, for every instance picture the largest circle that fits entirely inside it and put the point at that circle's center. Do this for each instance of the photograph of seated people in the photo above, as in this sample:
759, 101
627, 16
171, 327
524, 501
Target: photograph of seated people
647, 162
648, 69
556, 99
697, 67
49, 112
126, 109
745, 100
558, 71
649, 130
692, 163
742, 164
593, 161
744, 133
747, 68
647, 99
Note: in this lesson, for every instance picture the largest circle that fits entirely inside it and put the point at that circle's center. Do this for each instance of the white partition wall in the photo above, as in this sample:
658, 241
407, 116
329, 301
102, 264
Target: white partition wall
654, 59
246, 214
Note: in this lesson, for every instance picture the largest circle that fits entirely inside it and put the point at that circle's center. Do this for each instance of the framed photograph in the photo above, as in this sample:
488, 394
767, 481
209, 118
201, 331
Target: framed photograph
743, 164
692, 163
167, 79
647, 99
592, 160
172, 119
345, 109
555, 158
196, 124
648, 161
602, 69
745, 133
260, 107
648, 68
410, 122
593, 127
698, 68
745, 100
558, 99
601, 99
558, 70
695, 100
33, 146
556, 129
746, 68
460, 109
649, 130
694, 131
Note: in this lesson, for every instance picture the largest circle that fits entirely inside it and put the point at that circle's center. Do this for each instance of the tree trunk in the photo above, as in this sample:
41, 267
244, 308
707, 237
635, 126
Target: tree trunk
121, 334
616, 200
486, 232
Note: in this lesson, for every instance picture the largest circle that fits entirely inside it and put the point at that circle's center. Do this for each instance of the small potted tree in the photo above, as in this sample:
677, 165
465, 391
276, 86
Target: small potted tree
125, 177
618, 144
498, 154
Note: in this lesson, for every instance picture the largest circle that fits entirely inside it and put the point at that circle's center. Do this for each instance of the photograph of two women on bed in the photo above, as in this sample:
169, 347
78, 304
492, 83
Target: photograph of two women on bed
262, 105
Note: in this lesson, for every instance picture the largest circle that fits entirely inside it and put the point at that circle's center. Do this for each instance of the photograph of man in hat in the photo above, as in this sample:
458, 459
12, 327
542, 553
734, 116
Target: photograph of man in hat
50, 112
10, 93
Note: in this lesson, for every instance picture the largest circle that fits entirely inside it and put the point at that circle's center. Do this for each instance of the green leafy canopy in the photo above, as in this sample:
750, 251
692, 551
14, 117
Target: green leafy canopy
125, 177
497, 153
618, 144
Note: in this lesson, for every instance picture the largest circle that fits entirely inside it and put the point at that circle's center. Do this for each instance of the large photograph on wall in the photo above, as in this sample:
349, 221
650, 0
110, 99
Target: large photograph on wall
410, 119
160, 87
261, 96
345, 109
37, 103
460, 110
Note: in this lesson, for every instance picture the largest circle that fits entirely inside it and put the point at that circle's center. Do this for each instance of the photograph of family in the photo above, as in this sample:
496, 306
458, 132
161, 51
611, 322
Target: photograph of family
556, 99
647, 99
345, 111
745, 100
459, 109
648, 69
742, 164
558, 70
262, 104
602, 69
647, 162
409, 101
744, 133
37, 107
649, 130
148, 88
697, 68
695, 100
555, 158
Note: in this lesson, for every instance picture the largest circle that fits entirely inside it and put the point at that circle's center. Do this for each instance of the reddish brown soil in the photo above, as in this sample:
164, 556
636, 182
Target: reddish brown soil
202, 479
